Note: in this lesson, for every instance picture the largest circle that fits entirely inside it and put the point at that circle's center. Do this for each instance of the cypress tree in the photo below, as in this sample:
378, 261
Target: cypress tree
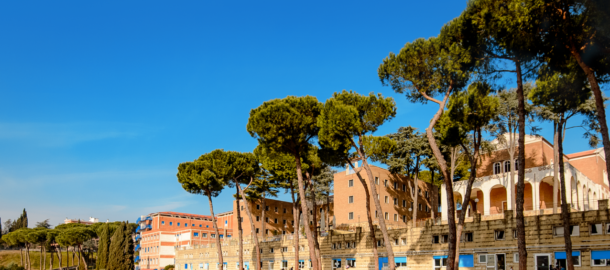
115, 256
128, 263
24, 221
103, 248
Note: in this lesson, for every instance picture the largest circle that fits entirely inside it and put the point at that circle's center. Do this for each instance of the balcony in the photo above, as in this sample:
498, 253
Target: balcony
148, 227
136, 259
137, 247
148, 218
138, 237
138, 220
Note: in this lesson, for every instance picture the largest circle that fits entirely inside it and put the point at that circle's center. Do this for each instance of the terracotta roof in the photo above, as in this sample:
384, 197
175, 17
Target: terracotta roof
581, 154
185, 214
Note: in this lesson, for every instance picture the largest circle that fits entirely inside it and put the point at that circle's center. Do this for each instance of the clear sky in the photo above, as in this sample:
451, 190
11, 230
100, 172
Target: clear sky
101, 100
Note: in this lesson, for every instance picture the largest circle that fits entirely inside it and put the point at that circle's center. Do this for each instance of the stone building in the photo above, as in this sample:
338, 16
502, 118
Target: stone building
487, 245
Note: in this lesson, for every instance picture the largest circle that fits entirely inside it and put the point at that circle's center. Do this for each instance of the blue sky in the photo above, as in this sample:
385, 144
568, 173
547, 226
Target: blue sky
100, 101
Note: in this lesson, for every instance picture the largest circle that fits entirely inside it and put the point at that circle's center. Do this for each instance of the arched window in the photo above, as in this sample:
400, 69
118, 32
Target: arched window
497, 168
507, 166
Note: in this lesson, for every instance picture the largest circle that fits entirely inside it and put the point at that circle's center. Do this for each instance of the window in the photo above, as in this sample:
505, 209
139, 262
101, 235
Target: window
204, 235
196, 234
497, 168
258, 207
395, 217
427, 209
385, 183
242, 219
350, 183
411, 205
337, 264
507, 166
403, 241
387, 199
275, 220
256, 230
333, 246
412, 190
404, 218
266, 219
600, 257
395, 185
276, 209
178, 224
379, 243
482, 258
561, 258
440, 262
285, 264
404, 187
445, 238
351, 215
301, 264
435, 239
427, 196
515, 233
284, 249
258, 218
351, 262
467, 237
376, 180
499, 235
376, 214
575, 230
596, 229
350, 199
419, 206
516, 164
242, 208
162, 222
395, 201
396, 242
404, 203
284, 221
266, 231
516, 257
270, 250
284, 210
387, 216
213, 235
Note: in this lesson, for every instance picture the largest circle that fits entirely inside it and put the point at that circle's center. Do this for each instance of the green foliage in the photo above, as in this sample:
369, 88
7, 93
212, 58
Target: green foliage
116, 256
43, 224
103, 247
128, 250
411, 149
169, 267
75, 236
11, 266
473, 109
286, 125
199, 177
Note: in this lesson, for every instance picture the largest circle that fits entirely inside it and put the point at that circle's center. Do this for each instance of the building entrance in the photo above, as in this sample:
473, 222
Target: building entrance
542, 261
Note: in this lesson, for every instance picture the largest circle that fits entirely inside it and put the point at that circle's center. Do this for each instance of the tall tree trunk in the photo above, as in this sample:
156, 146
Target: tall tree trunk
477, 137
27, 253
434, 195
51, 259
45, 257
79, 257
258, 249
599, 105
40, 259
295, 225
521, 173
310, 240
382, 225
555, 167
218, 246
511, 154
414, 193
21, 256
239, 228
315, 225
73, 252
368, 215
264, 221
59, 256
447, 181
565, 214
80, 251
327, 212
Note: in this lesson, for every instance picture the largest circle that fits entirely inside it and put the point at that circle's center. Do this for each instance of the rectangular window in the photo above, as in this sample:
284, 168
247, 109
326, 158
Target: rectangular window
351, 263
204, 235
385, 183
387, 199
266, 219
256, 230
284, 210
445, 238
178, 224
196, 234
499, 235
270, 250
561, 258
284, 221
395, 217
213, 235
596, 229
379, 243
376, 180
285, 264
427, 209
395, 201
482, 258
395, 185
404, 203
575, 230
403, 241
404, 218
350, 183
435, 239
266, 208
266, 231
516, 257
171, 223
600, 257
351, 215
376, 214
162, 222
387, 216
276, 209
467, 237
404, 187
258, 218
419, 207
350, 199
242, 208
396, 241
427, 195
258, 207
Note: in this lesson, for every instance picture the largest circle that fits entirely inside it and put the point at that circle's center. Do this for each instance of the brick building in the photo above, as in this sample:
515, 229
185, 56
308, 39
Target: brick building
491, 192
394, 196
159, 234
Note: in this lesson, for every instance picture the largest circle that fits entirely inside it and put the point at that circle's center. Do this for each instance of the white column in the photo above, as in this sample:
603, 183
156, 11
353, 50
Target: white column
509, 194
536, 195
486, 201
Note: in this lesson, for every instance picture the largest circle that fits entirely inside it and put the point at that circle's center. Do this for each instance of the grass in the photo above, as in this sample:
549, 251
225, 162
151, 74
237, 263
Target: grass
12, 256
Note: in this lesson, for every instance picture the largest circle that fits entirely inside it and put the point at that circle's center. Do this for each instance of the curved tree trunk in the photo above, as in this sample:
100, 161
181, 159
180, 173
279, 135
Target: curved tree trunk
382, 225
295, 225
80, 251
240, 232
305, 209
521, 172
599, 105
58, 249
565, 214
218, 246
258, 249
447, 181
368, 215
